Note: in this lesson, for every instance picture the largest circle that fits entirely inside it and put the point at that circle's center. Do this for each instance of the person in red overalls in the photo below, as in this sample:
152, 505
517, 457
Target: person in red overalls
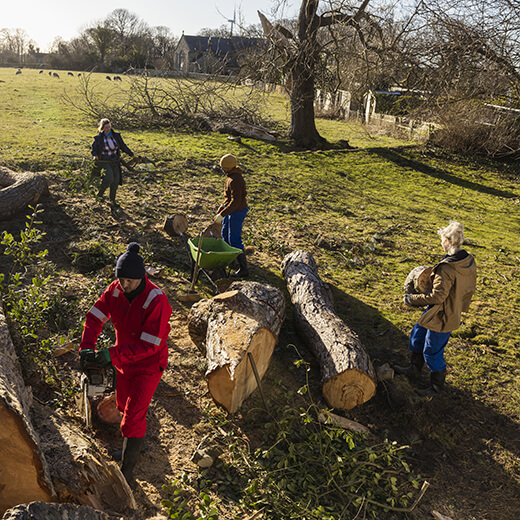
140, 313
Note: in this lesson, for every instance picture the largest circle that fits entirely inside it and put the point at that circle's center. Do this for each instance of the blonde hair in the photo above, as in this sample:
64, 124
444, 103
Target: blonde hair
454, 234
102, 124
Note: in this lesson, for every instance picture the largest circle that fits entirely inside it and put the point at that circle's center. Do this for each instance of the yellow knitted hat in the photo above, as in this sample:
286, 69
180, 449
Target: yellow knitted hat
228, 162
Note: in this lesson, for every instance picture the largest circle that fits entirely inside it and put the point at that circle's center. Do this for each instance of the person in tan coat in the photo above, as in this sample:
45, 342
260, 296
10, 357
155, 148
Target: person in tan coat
454, 281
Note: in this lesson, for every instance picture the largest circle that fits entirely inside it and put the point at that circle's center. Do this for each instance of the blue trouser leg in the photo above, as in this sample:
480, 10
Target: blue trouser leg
232, 228
431, 344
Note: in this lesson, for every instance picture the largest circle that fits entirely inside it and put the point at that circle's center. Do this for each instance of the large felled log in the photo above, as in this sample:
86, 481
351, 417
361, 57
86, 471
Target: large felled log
348, 376
24, 475
44, 511
18, 190
80, 473
246, 319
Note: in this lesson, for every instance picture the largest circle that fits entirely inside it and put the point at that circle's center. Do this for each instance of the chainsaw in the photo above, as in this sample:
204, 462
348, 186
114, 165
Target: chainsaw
96, 381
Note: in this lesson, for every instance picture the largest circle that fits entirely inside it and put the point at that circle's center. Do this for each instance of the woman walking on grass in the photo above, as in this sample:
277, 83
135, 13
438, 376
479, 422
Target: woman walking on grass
106, 151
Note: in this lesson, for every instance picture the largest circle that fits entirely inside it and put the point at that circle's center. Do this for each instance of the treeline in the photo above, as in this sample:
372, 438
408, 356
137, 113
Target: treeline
120, 41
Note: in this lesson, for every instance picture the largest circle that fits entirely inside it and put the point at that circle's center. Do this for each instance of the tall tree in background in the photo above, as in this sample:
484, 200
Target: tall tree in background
301, 55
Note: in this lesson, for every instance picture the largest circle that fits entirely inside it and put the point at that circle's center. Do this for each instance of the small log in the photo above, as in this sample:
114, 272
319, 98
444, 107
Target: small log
419, 280
246, 319
18, 190
327, 417
348, 377
24, 474
175, 225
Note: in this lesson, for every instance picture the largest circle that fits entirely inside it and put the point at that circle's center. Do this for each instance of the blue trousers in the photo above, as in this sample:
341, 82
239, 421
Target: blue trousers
431, 345
232, 228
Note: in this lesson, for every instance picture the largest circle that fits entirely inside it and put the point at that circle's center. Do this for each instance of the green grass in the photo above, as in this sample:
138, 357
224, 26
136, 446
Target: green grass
368, 215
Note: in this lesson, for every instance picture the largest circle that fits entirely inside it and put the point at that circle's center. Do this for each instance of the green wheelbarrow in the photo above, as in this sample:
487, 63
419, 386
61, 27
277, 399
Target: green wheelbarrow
214, 254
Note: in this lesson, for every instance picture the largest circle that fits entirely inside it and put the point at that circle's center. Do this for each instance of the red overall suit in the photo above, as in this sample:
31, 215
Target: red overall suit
140, 354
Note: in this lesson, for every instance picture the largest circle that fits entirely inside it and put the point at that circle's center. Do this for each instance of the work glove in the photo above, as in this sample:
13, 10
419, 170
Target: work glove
218, 218
407, 300
86, 358
102, 357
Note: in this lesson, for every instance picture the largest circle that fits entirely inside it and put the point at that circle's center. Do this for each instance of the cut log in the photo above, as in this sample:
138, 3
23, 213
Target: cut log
348, 377
24, 474
246, 319
18, 190
80, 472
44, 511
175, 225
419, 280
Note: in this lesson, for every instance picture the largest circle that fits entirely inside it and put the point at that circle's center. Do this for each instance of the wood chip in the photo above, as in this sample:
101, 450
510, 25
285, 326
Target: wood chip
336, 420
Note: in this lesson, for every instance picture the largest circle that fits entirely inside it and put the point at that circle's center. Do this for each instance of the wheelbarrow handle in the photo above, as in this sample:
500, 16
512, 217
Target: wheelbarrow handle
196, 269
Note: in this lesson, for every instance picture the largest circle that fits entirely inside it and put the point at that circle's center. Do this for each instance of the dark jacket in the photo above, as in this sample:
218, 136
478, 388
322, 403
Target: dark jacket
235, 192
97, 145
454, 283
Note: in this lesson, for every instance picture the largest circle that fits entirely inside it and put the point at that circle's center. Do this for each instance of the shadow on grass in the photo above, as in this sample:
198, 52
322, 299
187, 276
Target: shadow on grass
465, 448
401, 160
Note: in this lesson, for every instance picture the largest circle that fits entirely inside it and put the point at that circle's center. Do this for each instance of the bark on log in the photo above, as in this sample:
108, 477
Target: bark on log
24, 475
18, 190
44, 511
80, 473
348, 377
419, 280
247, 318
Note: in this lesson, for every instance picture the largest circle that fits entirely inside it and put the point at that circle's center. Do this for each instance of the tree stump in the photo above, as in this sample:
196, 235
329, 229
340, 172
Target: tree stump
348, 377
18, 190
24, 474
419, 280
246, 319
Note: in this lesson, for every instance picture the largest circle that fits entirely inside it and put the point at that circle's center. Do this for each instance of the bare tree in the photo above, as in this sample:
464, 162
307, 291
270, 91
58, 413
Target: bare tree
301, 56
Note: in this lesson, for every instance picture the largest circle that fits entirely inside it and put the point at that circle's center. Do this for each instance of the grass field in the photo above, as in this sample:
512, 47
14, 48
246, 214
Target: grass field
369, 215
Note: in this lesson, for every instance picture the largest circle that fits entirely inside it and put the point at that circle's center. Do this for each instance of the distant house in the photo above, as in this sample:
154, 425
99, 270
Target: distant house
213, 55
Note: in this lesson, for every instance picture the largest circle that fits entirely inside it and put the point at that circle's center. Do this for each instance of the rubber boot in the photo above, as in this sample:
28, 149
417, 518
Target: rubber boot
414, 370
131, 450
117, 455
243, 272
437, 380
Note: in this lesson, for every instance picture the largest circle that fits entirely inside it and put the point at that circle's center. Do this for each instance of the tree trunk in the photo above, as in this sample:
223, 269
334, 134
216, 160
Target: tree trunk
18, 190
246, 319
303, 126
24, 474
52, 459
348, 377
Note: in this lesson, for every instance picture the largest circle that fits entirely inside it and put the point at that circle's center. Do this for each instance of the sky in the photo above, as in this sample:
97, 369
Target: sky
44, 20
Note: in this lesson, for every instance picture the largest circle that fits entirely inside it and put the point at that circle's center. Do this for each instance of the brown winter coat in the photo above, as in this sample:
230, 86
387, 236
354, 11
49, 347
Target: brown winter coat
234, 192
454, 283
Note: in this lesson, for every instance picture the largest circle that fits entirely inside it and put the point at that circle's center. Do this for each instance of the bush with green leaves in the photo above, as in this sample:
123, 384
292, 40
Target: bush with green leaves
31, 308
304, 469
